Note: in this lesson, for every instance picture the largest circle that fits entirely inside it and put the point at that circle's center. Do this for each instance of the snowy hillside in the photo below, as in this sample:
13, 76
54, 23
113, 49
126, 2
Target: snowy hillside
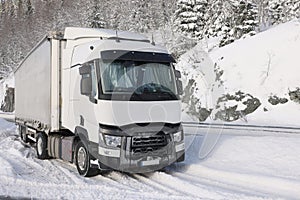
253, 80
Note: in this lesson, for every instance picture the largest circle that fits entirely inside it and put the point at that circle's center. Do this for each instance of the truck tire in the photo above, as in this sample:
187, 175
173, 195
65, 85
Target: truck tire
83, 161
22, 133
41, 146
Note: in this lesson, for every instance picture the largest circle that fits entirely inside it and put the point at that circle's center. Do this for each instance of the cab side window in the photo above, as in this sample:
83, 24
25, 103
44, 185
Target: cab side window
88, 82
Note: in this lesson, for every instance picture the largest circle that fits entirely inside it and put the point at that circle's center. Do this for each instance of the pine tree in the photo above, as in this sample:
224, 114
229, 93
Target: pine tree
3, 8
29, 8
191, 17
216, 19
227, 35
242, 22
141, 18
263, 17
201, 8
12, 11
165, 16
291, 8
246, 19
186, 18
96, 20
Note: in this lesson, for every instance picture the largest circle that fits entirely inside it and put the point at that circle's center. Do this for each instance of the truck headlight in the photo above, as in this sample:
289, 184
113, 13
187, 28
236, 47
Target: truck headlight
178, 136
112, 141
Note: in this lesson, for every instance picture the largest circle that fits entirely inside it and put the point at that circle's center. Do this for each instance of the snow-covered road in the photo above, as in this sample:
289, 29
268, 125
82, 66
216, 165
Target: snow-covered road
239, 167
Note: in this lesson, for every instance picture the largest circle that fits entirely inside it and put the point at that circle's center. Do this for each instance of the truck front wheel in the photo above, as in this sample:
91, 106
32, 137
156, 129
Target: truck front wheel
41, 146
83, 161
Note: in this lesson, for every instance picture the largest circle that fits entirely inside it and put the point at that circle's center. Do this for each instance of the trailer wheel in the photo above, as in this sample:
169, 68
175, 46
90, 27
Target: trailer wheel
83, 161
22, 133
41, 146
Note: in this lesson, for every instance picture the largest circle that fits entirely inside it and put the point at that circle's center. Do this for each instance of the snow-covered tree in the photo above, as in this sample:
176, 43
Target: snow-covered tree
246, 19
240, 23
29, 7
191, 17
263, 17
283, 10
217, 20
96, 20
141, 15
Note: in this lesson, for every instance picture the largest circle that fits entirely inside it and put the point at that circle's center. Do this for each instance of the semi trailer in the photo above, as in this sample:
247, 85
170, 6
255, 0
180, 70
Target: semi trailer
102, 99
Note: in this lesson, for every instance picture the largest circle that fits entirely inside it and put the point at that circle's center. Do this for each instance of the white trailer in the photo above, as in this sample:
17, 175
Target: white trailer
101, 99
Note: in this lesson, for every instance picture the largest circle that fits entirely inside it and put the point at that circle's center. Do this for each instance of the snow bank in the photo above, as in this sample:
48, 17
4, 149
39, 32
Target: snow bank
264, 65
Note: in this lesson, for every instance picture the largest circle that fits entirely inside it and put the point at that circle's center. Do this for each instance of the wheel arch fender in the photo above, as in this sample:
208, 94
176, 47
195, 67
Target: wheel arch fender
81, 134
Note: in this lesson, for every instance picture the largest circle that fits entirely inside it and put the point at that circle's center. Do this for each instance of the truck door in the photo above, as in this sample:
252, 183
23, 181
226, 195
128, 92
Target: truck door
85, 100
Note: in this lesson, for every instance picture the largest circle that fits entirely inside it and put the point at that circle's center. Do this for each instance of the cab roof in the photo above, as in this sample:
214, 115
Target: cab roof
73, 33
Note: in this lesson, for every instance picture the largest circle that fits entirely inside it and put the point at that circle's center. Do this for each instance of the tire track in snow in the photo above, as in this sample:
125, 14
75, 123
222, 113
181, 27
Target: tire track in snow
133, 182
142, 178
174, 183
70, 170
70, 191
201, 190
204, 182
249, 184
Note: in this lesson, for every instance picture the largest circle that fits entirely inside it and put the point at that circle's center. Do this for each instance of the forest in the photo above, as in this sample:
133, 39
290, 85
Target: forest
180, 23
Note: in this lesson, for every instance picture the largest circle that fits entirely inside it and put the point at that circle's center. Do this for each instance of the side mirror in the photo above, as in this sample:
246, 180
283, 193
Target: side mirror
177, 74
86, 85
179, 87
85, 69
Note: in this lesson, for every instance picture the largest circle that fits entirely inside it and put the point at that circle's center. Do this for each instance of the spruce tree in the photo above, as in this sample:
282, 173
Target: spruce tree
276, 11
186, 18
246, 19
242, 22
201, 8
281, 11
29, 8
96, 21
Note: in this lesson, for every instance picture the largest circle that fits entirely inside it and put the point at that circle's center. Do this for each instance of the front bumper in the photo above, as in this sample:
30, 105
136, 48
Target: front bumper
125, 159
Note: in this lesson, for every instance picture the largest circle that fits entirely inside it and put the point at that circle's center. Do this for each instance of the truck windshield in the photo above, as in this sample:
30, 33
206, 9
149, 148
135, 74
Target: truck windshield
141, 80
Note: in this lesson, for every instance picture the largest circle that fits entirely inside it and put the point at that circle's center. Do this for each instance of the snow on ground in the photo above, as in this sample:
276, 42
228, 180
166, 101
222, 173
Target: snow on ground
240, 167
263, 65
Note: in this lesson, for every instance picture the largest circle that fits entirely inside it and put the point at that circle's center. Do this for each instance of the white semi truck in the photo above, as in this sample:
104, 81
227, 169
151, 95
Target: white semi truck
102, 99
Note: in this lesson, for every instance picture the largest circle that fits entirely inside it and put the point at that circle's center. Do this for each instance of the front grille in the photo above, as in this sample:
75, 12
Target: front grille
145, 144
156, 140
